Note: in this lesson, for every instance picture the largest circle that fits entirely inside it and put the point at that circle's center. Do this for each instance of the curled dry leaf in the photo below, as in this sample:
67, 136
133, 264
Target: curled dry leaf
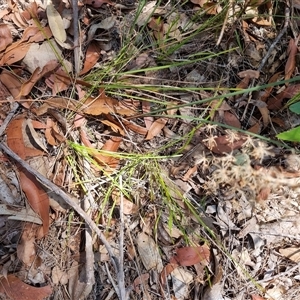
37, 198
58, 82
105, 24
79, 121
57, 103
18, 20
32, 137
14, 53
15, 141
5, 37
42, 35
48, 133
91, 57
256, 128
156, 128
114, 126
291, 61
212, 8
134, 127
15, 289
111, 145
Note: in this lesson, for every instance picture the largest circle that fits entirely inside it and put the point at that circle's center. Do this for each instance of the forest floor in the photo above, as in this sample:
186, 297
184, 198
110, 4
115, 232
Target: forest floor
150, 150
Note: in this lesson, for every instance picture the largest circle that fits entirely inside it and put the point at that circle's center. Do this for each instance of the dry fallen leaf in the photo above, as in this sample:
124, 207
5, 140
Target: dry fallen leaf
230, 119
134, 127
16, 289
291, 61
26, 249
128, 206
103, 104
56, 23
14, 53
36, 196
181, 280
275, 103
110, 145
249, 73
188, 256
149, 253
268, 90
262, 106
15, 131
156, 128
5, 36
11, 82
292, 253
166, 271
114, 126
215, 290
223, 144
91, 57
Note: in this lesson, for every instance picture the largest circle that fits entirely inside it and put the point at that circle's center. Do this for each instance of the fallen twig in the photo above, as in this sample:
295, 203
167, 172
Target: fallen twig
279, 36
10, 115
76, 38
121, 278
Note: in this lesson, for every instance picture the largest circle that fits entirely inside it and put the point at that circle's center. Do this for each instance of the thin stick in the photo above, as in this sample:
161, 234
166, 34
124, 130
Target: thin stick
279, 36
46, 182
225, 22
76, 37
121, 241
10, 115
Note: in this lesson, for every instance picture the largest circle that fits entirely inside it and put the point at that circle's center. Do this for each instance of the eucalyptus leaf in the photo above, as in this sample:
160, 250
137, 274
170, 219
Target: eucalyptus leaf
56, 23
